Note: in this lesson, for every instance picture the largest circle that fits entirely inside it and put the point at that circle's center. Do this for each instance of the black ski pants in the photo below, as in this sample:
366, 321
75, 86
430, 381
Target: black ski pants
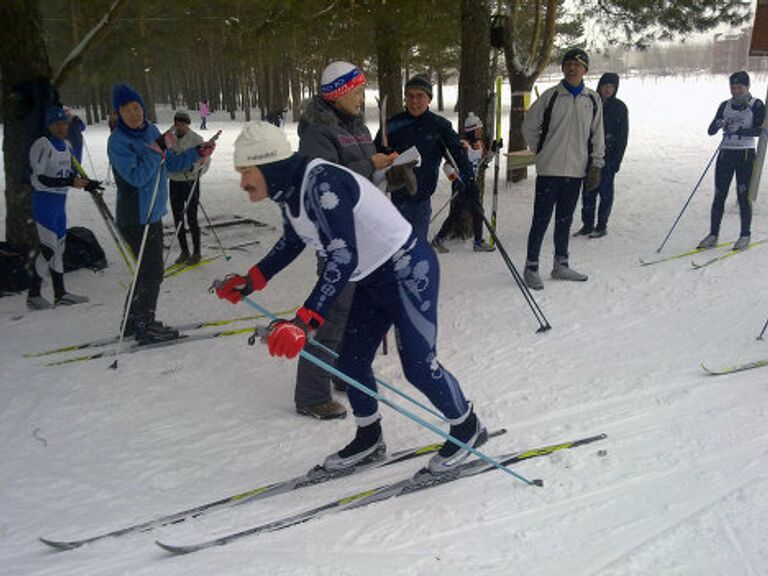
589, 203
730, 162
558, 194
142, 306
182, 195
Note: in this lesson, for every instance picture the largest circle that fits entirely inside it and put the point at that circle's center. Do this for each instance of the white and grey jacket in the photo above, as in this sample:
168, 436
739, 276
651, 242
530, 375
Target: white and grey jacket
566, 133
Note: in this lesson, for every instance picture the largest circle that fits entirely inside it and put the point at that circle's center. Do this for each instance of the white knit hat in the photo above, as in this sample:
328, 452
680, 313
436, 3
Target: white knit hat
472, 122
261, 143
339, 78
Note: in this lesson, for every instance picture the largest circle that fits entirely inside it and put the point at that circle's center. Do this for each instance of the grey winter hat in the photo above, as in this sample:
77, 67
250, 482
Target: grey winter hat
578, 55
261, 143
419, 82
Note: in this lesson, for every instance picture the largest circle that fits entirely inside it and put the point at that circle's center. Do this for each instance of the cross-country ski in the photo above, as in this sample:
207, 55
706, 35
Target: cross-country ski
422, 480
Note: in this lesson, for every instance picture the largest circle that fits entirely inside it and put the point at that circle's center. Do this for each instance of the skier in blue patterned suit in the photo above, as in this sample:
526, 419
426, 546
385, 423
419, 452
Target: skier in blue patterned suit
50, 158
741, 119
366, 240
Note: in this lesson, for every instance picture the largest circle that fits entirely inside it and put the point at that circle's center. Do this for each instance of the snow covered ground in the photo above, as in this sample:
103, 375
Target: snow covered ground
679, 487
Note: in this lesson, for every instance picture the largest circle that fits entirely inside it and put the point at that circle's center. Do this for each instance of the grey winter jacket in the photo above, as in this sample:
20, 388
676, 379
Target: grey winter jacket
326, 133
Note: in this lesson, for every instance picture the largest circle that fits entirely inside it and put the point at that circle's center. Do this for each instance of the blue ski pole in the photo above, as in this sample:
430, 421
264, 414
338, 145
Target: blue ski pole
334, 355
262, 331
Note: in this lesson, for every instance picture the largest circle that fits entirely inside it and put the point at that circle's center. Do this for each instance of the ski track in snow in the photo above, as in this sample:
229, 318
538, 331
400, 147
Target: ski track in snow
678, 488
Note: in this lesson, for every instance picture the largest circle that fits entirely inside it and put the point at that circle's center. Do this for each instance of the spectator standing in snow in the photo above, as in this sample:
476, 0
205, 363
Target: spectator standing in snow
204, 113
564, 127
50, 158
741, 119
616, 133
468, 196
332, 128
185, 189
431, 134
140, 158
365, 239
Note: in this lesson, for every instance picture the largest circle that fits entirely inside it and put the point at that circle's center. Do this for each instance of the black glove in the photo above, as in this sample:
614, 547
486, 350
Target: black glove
402, 177
93, 186
593, 178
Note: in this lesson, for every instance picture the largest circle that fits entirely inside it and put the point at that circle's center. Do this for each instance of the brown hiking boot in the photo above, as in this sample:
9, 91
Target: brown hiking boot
328, 410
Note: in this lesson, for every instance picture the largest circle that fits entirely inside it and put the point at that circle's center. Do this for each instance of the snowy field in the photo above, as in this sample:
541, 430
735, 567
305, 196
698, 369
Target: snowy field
678, 488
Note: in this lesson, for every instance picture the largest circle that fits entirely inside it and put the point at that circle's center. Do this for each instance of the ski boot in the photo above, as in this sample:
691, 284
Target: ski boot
368, 446
469, 430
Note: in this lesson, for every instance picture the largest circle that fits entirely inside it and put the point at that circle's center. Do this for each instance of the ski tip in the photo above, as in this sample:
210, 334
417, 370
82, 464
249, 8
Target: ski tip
178, 550
543, 329
59, 545
538, 482
113, 366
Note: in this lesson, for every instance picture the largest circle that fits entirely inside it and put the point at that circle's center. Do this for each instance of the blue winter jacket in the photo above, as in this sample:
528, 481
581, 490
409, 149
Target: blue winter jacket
135, 166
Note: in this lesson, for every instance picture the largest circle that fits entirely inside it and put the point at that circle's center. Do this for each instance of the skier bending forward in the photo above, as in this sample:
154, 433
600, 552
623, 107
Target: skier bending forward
366, 240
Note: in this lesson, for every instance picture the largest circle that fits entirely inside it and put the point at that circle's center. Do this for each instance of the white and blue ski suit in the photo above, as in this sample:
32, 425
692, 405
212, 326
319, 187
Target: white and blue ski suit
365, 240
52, 174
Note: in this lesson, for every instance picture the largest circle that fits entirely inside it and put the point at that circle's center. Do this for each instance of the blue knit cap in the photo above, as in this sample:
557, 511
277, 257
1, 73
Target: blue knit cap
122, 94
55, 114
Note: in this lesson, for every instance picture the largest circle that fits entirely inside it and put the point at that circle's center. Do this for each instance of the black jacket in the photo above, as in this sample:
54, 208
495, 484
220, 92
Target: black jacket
431, 134
615, 124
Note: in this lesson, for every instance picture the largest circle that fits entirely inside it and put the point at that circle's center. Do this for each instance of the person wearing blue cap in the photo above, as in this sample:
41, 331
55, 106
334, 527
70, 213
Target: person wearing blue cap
50, 158
141, 158
741, 119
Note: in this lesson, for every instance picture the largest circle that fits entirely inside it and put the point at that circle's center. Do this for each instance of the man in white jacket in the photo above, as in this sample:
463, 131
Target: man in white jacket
565, 129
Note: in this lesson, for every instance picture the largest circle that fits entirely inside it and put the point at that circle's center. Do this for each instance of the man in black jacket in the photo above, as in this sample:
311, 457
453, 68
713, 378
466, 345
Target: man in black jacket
431, 134
616, 130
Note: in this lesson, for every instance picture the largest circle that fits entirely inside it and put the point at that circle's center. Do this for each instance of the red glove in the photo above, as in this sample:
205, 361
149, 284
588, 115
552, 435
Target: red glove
234, 287
206, 149
288, 338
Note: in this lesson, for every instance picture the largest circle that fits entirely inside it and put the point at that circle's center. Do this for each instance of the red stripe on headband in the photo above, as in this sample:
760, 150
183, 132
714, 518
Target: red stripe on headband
358, 80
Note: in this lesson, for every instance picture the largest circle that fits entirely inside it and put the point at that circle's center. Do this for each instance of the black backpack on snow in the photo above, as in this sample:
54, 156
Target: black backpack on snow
14, 274
83, 250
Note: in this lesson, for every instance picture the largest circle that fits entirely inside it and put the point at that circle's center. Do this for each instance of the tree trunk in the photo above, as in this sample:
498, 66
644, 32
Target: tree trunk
389, 58
27, 92
474, 81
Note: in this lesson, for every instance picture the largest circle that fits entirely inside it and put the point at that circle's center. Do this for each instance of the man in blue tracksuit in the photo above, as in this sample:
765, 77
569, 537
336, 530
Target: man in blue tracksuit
365, 240
741, 119
141, 158
431, 134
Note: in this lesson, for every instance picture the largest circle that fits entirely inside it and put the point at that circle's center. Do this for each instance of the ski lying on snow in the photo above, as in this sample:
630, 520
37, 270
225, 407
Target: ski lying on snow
180, 328
660, 259
735, 368
420, 481
698, 266
316, 475
136, 347
177, 269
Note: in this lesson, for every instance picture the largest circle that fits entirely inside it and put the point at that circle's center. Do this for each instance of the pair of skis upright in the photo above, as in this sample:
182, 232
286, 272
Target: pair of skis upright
422, 480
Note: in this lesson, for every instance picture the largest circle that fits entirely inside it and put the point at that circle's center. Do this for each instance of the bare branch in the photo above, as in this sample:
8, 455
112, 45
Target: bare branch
89, 40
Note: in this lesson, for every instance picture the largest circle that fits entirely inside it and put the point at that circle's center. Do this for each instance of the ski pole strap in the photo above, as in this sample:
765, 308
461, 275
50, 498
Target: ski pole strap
334, 355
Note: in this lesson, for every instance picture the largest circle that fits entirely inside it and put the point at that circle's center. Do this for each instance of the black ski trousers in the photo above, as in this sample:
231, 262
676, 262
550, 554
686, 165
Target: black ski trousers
558, 194
589, 201
150, 276
181, 191
730, 162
